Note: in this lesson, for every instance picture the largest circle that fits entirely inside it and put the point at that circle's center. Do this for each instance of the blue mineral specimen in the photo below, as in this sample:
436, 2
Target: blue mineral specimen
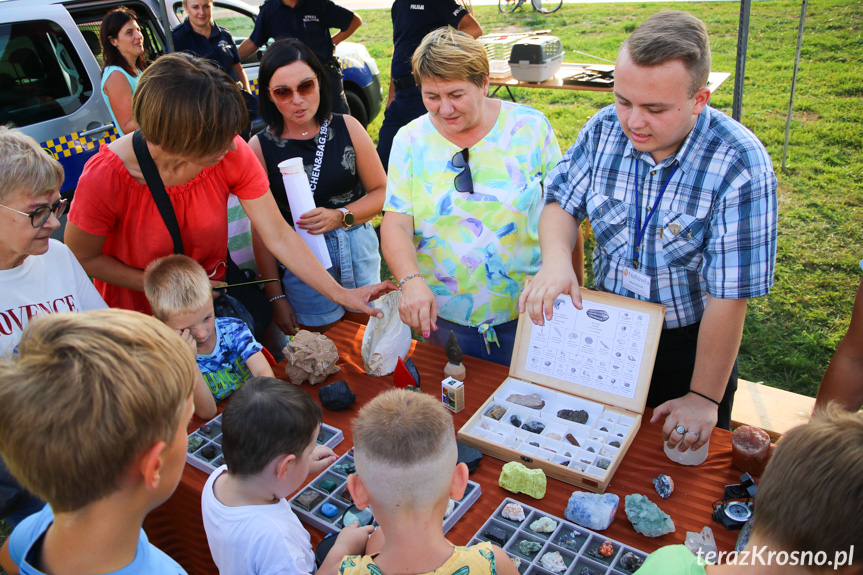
533, 426
664, 485
592, 510
329, 510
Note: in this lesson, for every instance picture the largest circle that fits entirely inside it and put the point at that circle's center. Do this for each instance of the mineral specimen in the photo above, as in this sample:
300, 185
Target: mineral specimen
517, 562
205, 429
664, 485
310, 356
592, 510
575, 415
533, 426
702, 543
195, 443
452, 349
528, 547
450, 507
631, 562
336, 396
412, 369
606, 549
513, 512
469, 456
532, 401
209, 452
515, 420
555, 436
361, 516
544, 525
646, 517
517, 478
346, 496
587, 571
750, 449
603, 463
534, 443
569, 540
327, 485
571, 438
308, 499
496, 535
345, 468
614, 443
401, 376
329, 510
496, 412
553, 561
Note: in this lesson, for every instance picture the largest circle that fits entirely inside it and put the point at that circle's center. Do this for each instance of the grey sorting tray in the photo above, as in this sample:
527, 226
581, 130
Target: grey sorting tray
570, 540
200, 439
340, 497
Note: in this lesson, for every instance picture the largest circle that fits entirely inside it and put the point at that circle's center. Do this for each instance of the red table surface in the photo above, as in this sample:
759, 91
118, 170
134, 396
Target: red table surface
176, 526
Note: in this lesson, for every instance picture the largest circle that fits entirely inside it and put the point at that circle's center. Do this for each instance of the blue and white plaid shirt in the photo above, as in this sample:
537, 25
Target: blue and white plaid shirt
715, 230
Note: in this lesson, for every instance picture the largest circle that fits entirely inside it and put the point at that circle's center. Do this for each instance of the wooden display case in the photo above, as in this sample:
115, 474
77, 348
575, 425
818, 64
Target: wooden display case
593, 367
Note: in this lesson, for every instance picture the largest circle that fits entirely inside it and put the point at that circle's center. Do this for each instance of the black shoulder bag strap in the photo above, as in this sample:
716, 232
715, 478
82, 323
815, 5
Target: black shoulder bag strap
157, 188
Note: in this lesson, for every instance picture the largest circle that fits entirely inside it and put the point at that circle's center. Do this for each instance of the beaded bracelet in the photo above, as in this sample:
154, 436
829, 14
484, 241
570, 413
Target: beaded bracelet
272, 299
416, 275
710, 399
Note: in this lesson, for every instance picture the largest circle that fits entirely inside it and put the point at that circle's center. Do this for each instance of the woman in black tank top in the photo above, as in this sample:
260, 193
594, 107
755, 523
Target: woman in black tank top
345, 175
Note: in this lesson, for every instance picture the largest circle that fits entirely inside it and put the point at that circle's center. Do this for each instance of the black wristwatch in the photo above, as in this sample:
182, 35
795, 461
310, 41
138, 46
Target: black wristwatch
347, 217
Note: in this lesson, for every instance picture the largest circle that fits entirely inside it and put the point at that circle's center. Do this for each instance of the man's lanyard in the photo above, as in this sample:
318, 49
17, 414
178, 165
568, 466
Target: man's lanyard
639, 229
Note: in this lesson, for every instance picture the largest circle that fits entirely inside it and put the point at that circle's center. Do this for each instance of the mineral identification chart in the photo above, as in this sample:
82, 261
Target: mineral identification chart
600, 346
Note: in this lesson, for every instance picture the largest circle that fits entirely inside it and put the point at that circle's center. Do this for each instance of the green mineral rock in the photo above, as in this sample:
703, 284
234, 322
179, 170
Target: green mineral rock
528, 547
517, 478
646, 517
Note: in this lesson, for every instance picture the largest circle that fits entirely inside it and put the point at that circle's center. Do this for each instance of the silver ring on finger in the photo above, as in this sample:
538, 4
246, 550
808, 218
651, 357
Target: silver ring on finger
680, 429
695, 433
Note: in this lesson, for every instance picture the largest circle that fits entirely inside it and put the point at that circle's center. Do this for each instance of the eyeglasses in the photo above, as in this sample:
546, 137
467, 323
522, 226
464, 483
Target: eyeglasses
463, 180
40, 215
284, 94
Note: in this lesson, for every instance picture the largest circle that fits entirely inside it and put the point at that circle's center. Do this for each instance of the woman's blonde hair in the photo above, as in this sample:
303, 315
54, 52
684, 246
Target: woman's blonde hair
447, 54
26, 168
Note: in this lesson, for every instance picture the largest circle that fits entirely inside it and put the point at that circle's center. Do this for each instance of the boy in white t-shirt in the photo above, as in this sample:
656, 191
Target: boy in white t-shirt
269, 441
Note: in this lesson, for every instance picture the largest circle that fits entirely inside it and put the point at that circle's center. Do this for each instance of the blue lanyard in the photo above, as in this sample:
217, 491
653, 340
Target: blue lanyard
639, 229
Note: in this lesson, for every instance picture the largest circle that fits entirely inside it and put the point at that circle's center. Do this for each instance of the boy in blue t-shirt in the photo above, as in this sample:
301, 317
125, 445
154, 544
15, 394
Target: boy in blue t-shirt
181, 295
94, 417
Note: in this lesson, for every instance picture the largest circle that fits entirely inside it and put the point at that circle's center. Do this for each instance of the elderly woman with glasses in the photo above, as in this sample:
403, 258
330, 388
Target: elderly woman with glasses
115, 226
345, 173
464, 193
38, 275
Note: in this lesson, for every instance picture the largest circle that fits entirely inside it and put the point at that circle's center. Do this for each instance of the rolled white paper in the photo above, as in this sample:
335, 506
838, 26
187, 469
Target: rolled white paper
301, 200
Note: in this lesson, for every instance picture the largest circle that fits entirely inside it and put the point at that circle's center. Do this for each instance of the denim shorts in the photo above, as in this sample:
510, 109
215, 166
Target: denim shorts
356, 258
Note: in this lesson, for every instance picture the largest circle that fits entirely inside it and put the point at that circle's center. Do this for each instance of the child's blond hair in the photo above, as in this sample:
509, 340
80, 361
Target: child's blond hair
87, 394
176, 284
405, 449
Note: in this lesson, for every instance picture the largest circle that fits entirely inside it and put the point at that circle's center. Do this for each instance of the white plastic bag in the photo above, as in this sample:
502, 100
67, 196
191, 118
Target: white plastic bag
387, 339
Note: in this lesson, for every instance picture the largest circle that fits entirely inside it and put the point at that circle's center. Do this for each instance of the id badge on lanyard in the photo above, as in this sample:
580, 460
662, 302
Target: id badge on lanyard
634, 280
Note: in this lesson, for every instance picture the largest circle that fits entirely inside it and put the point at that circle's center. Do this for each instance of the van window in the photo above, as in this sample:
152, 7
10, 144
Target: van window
90, 24
41, 75
239, 23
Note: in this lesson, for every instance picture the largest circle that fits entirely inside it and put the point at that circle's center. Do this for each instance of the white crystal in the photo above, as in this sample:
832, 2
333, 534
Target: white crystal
553, 561
544, 525
703, 541
513, 512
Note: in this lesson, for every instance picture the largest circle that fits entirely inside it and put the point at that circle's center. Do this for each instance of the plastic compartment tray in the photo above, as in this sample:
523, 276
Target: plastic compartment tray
340, 497
199, 440
572, 541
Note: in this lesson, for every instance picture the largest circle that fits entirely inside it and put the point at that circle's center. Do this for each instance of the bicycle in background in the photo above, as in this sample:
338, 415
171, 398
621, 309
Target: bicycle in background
543, 6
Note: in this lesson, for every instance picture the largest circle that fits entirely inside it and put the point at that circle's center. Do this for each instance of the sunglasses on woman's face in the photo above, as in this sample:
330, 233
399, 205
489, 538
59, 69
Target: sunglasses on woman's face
282, 94
463, 180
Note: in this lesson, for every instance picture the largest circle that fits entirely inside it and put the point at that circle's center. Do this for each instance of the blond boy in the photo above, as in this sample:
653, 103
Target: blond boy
406, 458
95, 409
807, 510
269, 439
181, 295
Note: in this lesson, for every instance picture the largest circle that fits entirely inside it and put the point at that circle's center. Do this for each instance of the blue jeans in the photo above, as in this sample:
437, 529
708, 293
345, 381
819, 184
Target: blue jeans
472, 342
356, 261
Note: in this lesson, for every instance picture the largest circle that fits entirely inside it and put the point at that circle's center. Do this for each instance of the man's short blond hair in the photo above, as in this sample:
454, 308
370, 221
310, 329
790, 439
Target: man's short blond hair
809, 497
672, 35
188, 106
87, 394
25, 168
176, 284
450, 55
405, 449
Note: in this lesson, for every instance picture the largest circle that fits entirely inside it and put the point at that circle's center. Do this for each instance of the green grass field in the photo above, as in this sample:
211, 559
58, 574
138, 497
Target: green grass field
791, 334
